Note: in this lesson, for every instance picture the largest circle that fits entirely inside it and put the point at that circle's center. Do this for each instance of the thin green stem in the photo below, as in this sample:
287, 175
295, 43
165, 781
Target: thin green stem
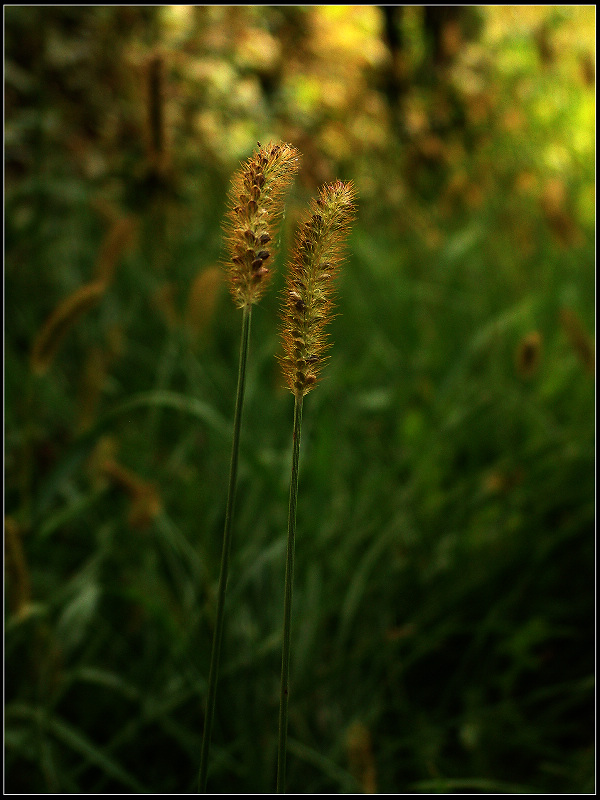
287, 603
218, 632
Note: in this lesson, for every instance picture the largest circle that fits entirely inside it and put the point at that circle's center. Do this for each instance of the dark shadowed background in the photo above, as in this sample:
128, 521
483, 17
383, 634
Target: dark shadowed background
444, 606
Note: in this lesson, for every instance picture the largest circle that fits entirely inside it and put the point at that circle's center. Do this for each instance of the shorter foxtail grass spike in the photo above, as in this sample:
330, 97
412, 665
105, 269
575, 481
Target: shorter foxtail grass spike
307, 309
255, 206
308, 296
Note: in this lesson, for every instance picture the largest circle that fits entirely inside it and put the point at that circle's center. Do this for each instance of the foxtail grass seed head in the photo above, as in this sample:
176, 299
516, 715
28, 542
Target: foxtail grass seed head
581, 342
360, 757
255, 207
202, 299
528, 354
92, 379
118, 240
145, 499
308, 294
64, 317
18, 583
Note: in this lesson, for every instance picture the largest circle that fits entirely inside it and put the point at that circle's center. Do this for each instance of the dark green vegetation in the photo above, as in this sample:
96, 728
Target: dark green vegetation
444, 578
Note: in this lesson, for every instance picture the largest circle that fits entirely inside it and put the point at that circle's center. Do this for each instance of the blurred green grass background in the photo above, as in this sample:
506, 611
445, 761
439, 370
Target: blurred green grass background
444, 614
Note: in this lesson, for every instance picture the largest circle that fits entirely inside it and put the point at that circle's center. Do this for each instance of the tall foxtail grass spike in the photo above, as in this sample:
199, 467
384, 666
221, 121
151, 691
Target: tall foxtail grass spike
254, 209
308, 304
255, 205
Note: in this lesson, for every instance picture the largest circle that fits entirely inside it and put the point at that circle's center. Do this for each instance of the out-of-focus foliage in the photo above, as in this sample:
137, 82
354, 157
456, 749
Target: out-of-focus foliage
444, 600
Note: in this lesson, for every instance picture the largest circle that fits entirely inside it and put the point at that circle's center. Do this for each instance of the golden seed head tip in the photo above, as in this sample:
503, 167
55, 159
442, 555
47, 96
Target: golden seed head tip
308, 301
255, 206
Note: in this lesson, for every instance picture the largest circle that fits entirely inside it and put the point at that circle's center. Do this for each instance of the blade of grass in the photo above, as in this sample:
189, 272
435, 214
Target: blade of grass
76, 741
82, 446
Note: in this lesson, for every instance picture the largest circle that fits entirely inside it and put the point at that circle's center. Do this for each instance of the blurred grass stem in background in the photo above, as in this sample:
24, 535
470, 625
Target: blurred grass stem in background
218, 631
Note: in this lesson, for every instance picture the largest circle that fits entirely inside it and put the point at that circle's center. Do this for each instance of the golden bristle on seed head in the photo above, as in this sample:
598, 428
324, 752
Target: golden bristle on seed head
308, 294
255, 207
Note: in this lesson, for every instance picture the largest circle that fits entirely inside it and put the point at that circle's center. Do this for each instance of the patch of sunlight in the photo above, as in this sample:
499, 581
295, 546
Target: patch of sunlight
517, 57
218, 75
352, 30
176, 21
503, 22
557, 157
335, 141
573, 28
586, 204
334, 13
246, 95
584, 126
258, 49
307, 91
335, 93
578, 30
240, 139
209, 125
548, 106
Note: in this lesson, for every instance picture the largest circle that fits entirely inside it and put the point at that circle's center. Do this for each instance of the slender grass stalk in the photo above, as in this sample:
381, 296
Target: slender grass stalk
287, 603
218, 631
308, 307
255, 207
